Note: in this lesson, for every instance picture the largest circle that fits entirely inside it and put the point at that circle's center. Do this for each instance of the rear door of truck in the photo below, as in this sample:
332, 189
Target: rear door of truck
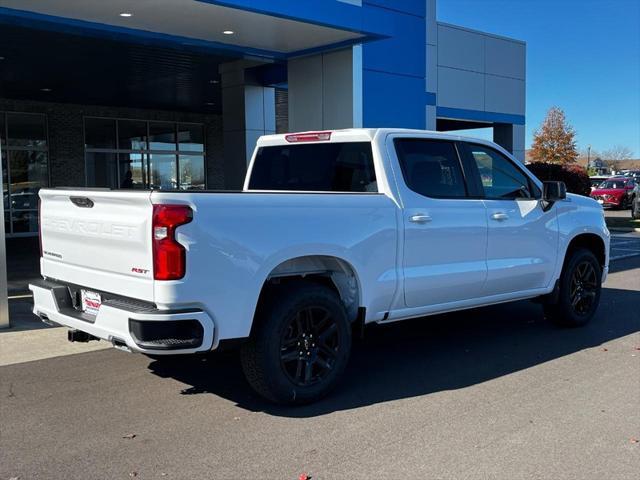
99, 240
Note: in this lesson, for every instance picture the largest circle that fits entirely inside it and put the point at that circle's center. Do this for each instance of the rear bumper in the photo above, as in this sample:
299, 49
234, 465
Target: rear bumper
126, 325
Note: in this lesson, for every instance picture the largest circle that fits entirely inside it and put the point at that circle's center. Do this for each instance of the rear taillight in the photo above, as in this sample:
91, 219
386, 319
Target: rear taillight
169, 258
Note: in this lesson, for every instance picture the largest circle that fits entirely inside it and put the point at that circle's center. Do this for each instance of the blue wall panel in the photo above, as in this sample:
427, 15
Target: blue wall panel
393, 100
403, 53
395, 68
481, 116
414, 7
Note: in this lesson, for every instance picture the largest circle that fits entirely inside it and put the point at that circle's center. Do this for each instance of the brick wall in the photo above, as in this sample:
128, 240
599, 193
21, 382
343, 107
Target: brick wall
66, 138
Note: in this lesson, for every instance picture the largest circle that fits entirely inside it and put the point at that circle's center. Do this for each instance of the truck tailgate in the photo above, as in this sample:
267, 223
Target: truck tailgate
98, 239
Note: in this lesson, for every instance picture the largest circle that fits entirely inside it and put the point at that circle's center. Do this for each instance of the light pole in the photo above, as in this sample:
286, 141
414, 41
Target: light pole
4, 300
588, 156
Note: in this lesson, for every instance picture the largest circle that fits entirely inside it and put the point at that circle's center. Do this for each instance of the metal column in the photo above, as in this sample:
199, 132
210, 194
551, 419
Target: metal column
4, 300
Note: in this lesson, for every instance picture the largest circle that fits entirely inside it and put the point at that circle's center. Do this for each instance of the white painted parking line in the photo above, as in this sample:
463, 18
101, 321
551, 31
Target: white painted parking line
620, 257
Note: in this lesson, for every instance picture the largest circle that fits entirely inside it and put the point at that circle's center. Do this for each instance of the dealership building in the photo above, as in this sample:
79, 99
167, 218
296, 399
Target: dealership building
174, 93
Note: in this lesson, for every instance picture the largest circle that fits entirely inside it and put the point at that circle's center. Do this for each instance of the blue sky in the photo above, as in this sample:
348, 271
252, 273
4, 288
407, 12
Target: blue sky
582, 55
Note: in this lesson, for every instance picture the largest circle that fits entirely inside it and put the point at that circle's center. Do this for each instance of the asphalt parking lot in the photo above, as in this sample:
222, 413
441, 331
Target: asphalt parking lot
490, 393
624, 246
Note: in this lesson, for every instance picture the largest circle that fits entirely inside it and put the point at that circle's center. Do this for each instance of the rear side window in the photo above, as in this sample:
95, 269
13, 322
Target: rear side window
316, 167
431, 167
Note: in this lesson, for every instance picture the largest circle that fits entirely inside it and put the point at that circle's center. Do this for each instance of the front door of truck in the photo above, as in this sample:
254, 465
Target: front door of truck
445, 224
523, 237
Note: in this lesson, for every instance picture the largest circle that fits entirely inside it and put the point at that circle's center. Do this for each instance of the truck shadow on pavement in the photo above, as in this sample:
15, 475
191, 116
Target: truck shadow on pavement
426, 355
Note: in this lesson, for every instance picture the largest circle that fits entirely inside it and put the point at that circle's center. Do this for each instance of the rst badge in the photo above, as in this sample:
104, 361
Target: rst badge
141, 271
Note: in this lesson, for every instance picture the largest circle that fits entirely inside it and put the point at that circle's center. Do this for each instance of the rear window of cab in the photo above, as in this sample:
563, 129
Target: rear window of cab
315, 167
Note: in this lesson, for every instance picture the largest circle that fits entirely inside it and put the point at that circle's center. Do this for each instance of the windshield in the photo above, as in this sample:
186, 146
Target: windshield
613, 184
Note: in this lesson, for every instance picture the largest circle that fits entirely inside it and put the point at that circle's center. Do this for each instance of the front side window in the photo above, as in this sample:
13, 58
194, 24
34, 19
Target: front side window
501, 179
317, 167
431, 167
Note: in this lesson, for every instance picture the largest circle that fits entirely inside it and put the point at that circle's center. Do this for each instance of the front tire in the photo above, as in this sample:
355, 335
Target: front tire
300, 346
579, 294
624, 203
635, 209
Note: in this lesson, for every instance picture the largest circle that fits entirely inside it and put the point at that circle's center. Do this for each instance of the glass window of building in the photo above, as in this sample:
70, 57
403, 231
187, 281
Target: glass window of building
162, 136
25, 169
192, 176
136, 154
26, 130
190, 137
132, 135
100, 133
101, 169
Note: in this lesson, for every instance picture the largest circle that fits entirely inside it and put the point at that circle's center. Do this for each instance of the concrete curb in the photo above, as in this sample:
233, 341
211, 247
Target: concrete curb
28, 345
29, 339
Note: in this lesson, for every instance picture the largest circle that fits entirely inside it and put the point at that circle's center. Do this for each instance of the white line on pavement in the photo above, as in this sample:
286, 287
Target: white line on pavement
620, 257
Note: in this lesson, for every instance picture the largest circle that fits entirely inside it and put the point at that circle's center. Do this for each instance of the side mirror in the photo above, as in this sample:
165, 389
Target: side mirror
553, 191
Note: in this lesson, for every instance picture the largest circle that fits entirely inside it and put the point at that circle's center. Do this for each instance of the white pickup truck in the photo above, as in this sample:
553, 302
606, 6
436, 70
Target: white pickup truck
332, 229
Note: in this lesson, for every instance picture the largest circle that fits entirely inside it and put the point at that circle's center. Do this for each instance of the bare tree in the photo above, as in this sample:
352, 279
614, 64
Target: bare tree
615, 156
618, 152
555, 140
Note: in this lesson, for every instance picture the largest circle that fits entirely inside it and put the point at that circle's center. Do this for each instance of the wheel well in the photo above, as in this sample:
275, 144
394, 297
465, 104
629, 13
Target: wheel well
591, 242
332, 272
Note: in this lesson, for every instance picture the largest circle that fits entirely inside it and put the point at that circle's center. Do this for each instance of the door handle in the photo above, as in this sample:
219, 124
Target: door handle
420, 218
499, 216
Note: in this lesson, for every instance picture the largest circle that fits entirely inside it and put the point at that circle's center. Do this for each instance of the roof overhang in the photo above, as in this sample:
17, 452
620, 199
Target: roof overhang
275, 29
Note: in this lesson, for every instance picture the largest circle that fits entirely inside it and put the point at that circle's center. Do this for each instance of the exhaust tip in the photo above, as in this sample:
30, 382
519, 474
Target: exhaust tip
80, 336
45, 319
120, 344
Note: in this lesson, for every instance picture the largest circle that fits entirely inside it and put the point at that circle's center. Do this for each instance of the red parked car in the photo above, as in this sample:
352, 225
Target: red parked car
615, 192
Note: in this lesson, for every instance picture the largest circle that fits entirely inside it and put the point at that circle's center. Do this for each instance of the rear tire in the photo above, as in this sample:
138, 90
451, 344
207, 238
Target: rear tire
300, 345
579, 293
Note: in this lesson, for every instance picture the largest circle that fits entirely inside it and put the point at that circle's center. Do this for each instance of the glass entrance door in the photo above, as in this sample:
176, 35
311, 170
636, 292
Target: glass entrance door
25, 169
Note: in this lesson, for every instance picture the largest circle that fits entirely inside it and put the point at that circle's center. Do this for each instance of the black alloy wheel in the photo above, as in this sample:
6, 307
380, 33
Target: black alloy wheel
584, 287
580, 285
309, 346
300, 345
